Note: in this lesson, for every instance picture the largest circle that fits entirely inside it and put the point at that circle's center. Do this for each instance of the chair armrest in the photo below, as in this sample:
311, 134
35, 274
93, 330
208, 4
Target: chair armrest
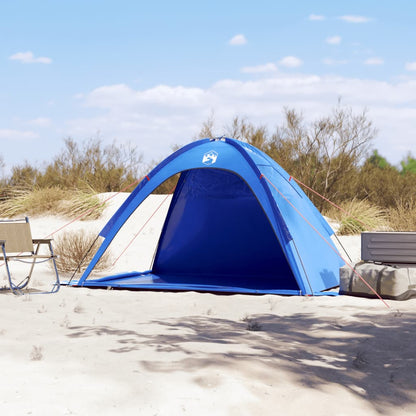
41, 240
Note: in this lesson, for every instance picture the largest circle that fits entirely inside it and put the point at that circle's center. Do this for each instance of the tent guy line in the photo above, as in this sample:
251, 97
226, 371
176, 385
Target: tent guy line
144, 225
331, 247
329, 201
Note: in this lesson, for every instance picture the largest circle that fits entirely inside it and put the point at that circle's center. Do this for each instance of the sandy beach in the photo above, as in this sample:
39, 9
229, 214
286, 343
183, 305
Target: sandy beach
108, 352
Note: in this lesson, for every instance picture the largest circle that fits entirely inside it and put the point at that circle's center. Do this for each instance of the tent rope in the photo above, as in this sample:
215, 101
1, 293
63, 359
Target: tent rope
334, 205
78, 268
89, 211
144, 225
342, 245
327, 200
325, 240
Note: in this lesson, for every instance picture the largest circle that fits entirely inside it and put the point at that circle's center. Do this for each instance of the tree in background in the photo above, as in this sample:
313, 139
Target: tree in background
24, 176
378, 161
408, 165
88, 166
325, 154
92, 165
385, 185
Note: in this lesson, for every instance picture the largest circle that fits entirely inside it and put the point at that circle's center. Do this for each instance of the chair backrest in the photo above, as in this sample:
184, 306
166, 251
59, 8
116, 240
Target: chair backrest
17, 235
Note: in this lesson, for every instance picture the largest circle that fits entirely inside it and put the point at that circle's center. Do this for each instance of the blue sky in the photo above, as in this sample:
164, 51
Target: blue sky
149, 73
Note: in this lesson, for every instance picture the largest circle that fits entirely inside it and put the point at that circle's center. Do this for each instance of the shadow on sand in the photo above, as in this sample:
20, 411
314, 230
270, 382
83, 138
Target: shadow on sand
373, 356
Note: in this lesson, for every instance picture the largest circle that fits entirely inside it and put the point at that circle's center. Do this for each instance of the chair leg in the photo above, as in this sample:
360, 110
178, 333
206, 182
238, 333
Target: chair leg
6, 263
15, 289
57, 284
33, 263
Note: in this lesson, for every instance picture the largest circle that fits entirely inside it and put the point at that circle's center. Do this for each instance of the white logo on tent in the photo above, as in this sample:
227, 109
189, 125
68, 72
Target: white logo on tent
210, 157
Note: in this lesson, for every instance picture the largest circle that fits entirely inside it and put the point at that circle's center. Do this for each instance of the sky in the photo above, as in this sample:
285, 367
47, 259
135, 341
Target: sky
150, 73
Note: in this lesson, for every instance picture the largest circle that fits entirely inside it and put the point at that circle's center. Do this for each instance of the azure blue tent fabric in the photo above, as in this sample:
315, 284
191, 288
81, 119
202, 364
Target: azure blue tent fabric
236, 223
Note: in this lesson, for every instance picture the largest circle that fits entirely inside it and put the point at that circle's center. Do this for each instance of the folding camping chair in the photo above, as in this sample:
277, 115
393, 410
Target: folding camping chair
17, 244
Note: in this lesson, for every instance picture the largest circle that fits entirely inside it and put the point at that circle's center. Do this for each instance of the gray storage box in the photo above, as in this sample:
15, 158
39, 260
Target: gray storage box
389, 247
389, 282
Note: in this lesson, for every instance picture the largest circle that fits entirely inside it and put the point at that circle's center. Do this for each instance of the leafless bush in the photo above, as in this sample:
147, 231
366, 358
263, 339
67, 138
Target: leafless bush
324, 154
74, 247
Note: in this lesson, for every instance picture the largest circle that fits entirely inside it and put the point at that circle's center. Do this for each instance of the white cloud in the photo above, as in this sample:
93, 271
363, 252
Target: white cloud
29, 58
333, 40
374, 61
270, 67
410, 66
126, 97
330, 61
291, 62
316, 17
17, 135
158, 117
239, 39
41, 122
355, 19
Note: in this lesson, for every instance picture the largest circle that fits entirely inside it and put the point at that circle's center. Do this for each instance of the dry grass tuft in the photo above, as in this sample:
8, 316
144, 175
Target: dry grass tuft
81, 202
72, 246
360, 216
36, 354
252, 324
403, 216
69, 203
38, 201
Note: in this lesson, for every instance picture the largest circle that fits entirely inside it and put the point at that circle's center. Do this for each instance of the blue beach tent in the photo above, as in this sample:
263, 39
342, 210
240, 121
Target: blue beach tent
236, 223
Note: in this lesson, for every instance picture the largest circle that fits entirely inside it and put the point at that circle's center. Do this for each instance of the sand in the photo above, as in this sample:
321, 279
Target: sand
107, 352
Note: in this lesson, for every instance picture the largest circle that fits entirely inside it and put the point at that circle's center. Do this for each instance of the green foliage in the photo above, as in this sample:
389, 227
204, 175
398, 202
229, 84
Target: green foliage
378, 161
408, 165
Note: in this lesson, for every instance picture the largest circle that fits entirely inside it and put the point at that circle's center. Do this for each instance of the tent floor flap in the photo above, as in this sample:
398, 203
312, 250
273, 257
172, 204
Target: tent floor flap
151, 281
